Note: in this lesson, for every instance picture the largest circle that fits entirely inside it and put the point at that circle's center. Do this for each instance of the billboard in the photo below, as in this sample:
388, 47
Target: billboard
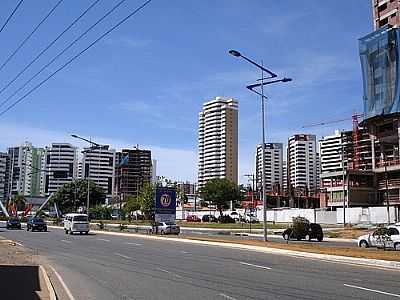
379, 55
165, 204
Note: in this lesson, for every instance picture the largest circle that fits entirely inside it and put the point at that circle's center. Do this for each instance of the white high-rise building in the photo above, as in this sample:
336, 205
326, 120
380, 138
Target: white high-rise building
153, 171
218, 140
19, 170
284, 176
99, 166
303, 165
273, 167
61, 166
3, 164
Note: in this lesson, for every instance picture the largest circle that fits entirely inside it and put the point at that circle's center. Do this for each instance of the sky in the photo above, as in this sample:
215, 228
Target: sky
144, 84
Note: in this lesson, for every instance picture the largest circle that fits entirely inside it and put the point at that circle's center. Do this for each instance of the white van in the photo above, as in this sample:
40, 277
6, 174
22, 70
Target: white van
76, 223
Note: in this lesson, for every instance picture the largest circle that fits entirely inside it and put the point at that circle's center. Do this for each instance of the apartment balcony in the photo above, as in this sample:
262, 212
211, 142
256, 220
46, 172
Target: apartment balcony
391, 165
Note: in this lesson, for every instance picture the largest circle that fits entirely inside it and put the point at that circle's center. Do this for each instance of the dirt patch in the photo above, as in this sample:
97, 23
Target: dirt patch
348, 233
313, 248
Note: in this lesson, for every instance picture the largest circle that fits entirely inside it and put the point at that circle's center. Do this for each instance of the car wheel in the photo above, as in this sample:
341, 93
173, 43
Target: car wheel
27, 228
397, 246
364, 244
308, 237
71, 233
162, 232
286, 237
320, 238
66, 231
45, 230
86, 232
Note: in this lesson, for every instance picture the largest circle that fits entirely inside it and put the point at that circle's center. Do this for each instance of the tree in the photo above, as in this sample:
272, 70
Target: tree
101, 212
220, 191
74, 194
146, 199
131, 204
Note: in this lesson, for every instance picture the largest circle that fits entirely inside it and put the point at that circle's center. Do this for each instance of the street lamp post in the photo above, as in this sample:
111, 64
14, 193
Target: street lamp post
252, 88
93, 146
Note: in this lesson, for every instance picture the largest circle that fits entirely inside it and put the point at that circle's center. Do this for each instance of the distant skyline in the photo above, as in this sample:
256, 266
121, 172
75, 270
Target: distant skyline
146, 83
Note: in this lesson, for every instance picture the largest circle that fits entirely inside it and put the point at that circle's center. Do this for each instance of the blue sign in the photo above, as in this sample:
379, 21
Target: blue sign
165, 200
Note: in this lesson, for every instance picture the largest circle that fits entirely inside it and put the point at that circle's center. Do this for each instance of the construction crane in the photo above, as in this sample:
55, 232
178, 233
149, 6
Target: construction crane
355, 134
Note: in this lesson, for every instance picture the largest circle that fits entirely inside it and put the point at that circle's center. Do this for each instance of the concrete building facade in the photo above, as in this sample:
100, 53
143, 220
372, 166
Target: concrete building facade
61, 164
273, 167
218, 140
386, 12
303, 175
99, 166
3, 181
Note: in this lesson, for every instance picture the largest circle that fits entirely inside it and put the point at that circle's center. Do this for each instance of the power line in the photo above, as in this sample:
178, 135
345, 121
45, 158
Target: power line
11, 15
47, 47
63, 51
29, 35
76, 56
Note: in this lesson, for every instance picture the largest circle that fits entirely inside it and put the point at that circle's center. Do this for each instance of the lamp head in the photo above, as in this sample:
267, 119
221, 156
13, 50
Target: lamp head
235, 53
74, 135
286, 79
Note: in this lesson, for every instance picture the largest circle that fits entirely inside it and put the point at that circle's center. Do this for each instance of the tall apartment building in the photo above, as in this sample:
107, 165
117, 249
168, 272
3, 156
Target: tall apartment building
133, 169
3, 164
218, 140
273, 167
284, 177
187, 188
302, 155
60, 163
386, 12
19, 170
153, 171
99, 166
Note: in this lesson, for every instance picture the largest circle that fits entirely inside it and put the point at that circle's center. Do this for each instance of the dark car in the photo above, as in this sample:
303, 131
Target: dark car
209, 218
36, 224
308, 232
193, 218
13, 223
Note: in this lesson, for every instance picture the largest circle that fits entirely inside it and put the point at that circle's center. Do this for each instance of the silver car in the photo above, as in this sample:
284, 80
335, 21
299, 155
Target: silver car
166, 228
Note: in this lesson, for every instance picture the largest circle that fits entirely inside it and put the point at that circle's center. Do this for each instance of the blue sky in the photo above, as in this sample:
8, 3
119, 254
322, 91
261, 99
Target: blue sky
146, 82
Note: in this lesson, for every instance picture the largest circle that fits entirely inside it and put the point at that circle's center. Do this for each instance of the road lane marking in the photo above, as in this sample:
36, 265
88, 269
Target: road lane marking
166, 271
123, 256
65, 241
66, 289
104, 240
371, 290
135, 244
226, 296
256, 266
185, 252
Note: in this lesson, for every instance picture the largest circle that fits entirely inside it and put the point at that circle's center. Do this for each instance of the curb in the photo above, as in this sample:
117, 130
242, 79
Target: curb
49, 286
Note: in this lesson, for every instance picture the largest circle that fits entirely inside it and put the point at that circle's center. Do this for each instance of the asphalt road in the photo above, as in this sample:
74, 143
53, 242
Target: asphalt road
100, 266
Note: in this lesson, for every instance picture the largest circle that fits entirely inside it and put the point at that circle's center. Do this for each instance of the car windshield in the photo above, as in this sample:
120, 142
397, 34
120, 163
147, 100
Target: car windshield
38, 220
169, 223
80, 218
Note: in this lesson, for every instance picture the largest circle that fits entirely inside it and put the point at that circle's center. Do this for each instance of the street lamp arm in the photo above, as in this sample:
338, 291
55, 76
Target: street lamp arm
252, 86
258, 93
273, 75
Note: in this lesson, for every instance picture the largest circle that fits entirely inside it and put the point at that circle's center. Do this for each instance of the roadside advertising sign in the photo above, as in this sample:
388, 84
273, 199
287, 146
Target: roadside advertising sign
165, 204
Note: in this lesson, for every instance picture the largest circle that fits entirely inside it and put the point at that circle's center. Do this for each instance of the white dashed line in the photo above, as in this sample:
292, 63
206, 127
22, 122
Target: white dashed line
104, 240
135, 244
65, 241
371, 290
123, 256
166, 271
226, 296
256, 266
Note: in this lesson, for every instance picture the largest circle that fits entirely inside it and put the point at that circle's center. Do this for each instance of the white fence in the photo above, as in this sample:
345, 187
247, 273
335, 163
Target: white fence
354, 215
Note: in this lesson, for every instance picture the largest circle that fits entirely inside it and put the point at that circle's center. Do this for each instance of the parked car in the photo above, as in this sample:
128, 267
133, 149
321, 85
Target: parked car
226, 219
36, 224
234, 215
193, 218
166, 228
384, 237
307, 232
13, 223
209, 218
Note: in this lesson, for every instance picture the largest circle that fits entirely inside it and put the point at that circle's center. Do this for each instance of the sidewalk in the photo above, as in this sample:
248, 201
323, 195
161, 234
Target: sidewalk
21, 277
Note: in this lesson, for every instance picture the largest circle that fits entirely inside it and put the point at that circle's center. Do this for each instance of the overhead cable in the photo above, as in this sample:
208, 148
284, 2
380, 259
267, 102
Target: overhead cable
63, 51
75, 57
11, 15
48, 46
30, 35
